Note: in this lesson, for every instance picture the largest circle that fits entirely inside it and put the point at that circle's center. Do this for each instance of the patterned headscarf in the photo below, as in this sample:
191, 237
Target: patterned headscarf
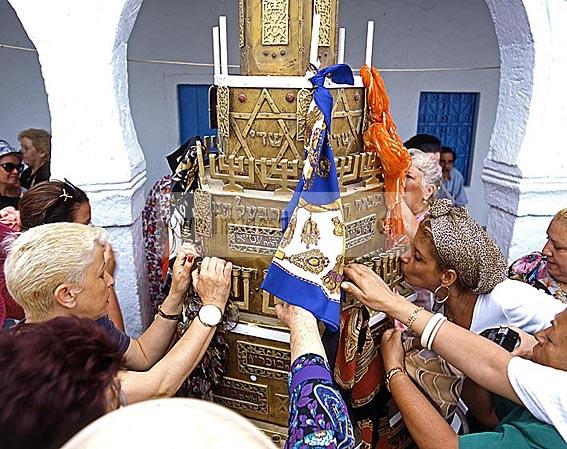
463, 245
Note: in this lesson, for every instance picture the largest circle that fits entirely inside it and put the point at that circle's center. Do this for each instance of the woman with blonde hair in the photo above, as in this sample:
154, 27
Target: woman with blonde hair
36, 150
547, 270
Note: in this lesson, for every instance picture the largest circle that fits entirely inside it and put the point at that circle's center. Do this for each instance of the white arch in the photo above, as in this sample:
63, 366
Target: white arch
524, 173
82, 53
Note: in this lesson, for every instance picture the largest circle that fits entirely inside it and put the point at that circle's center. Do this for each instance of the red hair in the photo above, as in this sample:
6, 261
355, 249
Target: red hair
55, 378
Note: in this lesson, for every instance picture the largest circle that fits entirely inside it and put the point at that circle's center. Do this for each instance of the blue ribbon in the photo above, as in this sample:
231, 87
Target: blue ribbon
321, 190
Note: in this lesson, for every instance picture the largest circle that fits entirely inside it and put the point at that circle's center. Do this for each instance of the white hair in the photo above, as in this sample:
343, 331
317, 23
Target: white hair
211, 426
432, 173
45, 257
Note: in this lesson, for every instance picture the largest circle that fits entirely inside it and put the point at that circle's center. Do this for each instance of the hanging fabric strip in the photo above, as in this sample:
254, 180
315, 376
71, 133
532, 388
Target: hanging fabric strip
307, 268
382, 138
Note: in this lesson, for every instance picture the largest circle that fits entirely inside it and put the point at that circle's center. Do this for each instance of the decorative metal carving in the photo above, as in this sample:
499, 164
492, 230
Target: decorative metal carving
323, 8
203, 213
263, 361
240, 285
241, 395
223, 96
275, 22
241, 31
304, 98
354, 118
360, 231
282, 403
253, 239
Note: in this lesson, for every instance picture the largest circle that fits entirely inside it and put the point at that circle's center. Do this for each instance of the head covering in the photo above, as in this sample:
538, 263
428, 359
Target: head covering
208, 425
463, 245
6, 148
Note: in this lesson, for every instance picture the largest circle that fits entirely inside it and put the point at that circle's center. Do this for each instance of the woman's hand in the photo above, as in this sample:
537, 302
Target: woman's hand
392, 349
294, 317
181, 278
368, 287
212, 281
526, 346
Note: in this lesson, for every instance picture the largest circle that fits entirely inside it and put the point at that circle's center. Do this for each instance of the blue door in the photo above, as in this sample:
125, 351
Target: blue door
193, 102
451, 116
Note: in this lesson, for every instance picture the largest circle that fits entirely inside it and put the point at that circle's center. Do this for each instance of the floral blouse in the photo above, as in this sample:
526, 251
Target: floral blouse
318, 416
532, 269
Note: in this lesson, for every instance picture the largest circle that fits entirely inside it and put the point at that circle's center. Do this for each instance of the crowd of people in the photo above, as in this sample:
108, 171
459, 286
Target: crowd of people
68, 369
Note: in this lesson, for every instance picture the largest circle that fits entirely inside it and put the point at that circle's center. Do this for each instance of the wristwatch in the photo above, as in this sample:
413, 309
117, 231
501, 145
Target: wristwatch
210, 315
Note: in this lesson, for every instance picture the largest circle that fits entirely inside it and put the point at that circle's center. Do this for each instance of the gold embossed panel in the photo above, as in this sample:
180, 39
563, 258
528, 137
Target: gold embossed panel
262, 142
246, 230
275, 37
328, 33
258, 366
275, 22
242, 396
263, 361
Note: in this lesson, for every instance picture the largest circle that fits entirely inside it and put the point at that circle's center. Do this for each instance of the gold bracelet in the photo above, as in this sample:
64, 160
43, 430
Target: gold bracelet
412, 318
392, 373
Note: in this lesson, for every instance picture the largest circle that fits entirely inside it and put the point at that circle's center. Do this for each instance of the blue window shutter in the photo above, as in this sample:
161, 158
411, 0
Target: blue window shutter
193, 104
451, 116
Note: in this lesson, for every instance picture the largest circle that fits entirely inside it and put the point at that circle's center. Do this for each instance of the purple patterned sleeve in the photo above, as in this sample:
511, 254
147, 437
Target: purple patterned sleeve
318, 416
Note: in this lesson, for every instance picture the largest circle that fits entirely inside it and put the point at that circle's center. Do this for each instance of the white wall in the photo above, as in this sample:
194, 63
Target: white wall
23, 101
409, 33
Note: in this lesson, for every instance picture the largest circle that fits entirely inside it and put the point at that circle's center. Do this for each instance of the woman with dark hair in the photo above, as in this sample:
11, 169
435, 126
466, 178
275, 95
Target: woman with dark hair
54, 202
531, 405
11, 166
61, 202
455, 259
55, 378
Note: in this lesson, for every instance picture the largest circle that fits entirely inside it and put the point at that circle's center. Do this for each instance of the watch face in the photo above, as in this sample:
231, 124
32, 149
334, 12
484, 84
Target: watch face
210, 315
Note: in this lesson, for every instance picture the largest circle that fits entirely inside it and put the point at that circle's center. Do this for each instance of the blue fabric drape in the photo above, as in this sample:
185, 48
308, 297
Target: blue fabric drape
285, 281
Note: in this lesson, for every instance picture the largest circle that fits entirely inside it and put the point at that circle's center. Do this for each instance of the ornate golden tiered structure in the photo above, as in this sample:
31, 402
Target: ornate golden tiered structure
249, 183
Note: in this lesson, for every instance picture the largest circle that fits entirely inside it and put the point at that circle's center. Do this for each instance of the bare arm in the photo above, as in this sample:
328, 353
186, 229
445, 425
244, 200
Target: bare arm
484, 362
304, 333
212, 284
146, 350
427, 427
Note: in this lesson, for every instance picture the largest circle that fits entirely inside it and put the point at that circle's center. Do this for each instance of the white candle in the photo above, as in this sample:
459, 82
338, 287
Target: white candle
216, 55
369, 42
223, 50
315, 40
341, 52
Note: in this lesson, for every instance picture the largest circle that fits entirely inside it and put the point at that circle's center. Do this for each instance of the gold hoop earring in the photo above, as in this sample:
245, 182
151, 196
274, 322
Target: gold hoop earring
441, 301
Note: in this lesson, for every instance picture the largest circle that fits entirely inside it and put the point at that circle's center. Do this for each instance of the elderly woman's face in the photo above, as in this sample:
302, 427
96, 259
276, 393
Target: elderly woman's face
552, 344
414, 194
556, 250
94, 295
419, 264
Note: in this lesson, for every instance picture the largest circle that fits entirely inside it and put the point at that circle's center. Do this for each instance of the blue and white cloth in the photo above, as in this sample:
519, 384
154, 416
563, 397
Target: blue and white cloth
308, 265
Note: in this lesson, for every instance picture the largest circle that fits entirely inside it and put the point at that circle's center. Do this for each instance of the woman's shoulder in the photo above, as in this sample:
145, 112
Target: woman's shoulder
525, 265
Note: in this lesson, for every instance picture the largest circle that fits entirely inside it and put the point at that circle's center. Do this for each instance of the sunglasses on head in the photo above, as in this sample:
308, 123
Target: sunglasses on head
9, 167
